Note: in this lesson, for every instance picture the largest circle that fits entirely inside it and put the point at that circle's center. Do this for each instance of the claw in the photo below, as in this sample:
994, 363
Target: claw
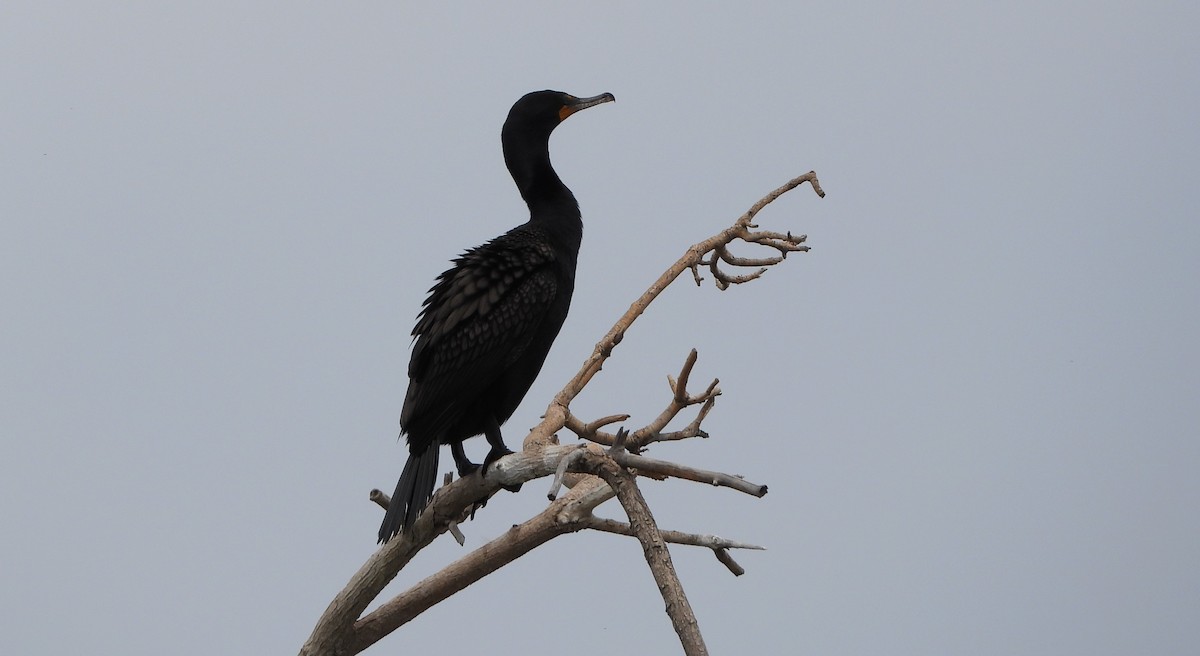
494, 455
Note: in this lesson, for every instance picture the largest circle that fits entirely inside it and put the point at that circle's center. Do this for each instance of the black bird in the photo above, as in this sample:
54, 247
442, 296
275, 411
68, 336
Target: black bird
489, 321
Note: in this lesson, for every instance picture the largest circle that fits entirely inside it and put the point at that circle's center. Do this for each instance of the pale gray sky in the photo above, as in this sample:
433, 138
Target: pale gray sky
975, 400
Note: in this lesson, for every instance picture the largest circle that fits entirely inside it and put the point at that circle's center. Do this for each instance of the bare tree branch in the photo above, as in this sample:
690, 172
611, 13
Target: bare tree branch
653, 432
566, 515
741, 229
561, 472
676, 470
339, 631
590, 430
728, 561
657, 556
674, 537
334, 632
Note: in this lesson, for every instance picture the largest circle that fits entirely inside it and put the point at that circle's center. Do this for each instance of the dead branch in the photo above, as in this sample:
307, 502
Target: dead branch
566, 515
657, 556
728, 561
740, 230
674, 537
561, 472
339, 631
676, 470
334, 632
591, 430
653, 432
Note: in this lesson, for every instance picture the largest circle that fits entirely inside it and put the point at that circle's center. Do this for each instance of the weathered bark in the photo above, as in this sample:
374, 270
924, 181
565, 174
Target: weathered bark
341, 632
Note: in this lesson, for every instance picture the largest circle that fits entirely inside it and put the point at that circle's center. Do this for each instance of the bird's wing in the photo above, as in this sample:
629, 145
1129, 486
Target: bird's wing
480, 317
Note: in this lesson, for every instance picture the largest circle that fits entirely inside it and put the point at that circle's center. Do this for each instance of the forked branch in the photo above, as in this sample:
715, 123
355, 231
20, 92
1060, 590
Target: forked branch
340, 631
692, 258
653, 432
654, 548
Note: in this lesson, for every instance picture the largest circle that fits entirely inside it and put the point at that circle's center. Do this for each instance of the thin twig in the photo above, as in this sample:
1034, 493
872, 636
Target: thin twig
730, 258
618, 445
728, 561
380, 498
561, 472
590, 429
676, 470
674, 537
455, 531
653, 432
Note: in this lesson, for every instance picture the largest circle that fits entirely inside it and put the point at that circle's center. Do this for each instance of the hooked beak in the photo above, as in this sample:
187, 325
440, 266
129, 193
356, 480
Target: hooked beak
575, 104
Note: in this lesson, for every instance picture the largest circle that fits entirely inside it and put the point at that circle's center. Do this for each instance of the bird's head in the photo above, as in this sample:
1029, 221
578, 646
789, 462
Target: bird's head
540, 112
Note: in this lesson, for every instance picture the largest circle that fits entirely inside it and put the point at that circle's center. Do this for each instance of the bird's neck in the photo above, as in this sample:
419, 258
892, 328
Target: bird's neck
551, 203
528, 159
558, 219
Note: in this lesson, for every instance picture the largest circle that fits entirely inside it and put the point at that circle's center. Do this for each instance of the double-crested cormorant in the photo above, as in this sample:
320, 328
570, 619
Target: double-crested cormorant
490, 319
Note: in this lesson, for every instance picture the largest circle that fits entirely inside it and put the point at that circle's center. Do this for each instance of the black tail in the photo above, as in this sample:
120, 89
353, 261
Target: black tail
413, 491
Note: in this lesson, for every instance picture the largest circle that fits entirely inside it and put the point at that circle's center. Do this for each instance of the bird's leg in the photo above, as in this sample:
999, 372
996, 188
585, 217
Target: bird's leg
498, 450
464, 464
465, 469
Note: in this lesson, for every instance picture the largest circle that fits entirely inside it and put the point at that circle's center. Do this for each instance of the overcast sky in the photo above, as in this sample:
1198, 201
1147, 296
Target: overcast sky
975, 401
